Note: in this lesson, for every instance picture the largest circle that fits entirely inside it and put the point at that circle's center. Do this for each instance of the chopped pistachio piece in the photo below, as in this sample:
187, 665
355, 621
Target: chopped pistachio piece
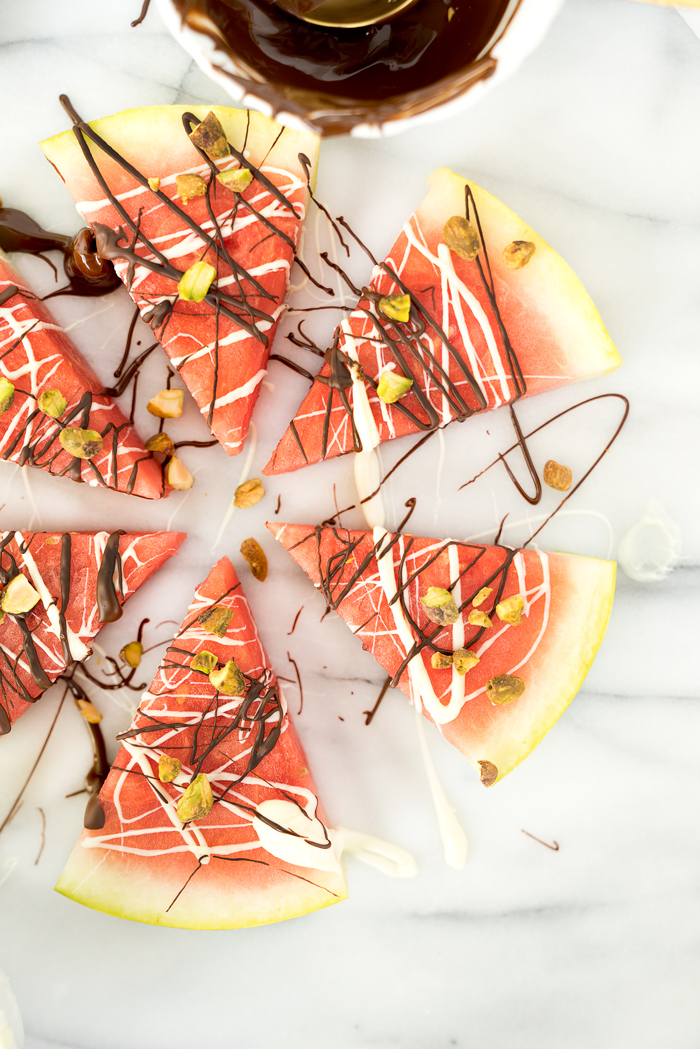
235, 179
504, 688
215, 620
53, 403
168, 768
255, 556
518, 254
81, 444
131, 653
196, 282
485, 592
178, 476
197, 801
19, 596
557, 476
228, 679
440, 606
89, 712
488, 773
204, 662
396, 307
392, 387
160, 442
511, 610
478, 618
7, 395
189, 186
249, 493
440, 660
167, 404
210, 136
464, 660
154, 183
461, 237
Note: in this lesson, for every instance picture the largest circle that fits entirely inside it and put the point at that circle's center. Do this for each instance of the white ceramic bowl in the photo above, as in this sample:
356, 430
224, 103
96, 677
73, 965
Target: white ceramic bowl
527, 22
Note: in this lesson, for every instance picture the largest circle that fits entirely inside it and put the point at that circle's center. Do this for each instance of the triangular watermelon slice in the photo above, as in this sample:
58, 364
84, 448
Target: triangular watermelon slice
566, 603
257, 848
513, 321
37, 357
78, 581
221, 344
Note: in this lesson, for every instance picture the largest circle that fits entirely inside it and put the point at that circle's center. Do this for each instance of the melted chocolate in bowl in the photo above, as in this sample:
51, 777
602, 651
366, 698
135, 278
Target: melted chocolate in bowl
339, 78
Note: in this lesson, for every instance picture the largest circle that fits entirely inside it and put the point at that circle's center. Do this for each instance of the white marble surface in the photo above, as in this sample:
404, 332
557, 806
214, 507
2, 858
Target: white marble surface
594, 141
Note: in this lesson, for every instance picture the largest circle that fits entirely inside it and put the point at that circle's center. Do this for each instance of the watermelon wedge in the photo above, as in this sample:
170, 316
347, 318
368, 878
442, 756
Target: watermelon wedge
37, 357
252, 845
511, 321
565, 602
77, 582
123, 173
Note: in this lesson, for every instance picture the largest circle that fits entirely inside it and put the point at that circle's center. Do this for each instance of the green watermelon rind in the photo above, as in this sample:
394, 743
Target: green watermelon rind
142, 135
224, 910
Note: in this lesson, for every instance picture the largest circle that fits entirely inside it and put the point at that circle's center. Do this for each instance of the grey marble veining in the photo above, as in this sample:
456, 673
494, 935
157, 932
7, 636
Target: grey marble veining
595, 141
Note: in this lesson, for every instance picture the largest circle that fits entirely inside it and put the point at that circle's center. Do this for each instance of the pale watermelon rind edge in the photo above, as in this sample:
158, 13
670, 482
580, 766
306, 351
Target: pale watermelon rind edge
589, 344
296, 899
120, 130
584, 654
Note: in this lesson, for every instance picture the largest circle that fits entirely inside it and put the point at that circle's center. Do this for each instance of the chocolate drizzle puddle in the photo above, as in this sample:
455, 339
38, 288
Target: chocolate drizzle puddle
88, 274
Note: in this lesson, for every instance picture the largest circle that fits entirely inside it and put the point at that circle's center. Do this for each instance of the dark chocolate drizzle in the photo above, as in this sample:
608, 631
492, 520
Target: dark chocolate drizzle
105, 596
123, 242
94, 818
413, 357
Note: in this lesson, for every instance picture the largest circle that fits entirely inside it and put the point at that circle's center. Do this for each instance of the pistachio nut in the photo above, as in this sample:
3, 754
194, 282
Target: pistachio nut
255, 556
215, 620
169, 769
249, 493
511, 610
210, 136
518, 254
504, 688
167, 404
81, 444
392, 387
461, 237
131, 653
235, 179
204, 662
7, 395
53, 403
196, 282
440, 606
228, 679
396, 307
19, 596
197, 801
189, 186
177, 475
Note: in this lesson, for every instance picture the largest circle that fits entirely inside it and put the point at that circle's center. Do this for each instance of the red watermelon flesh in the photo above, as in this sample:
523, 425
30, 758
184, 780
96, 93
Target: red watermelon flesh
36, 355
220, 346
567, 602
264, 851
480, 333
83, 579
